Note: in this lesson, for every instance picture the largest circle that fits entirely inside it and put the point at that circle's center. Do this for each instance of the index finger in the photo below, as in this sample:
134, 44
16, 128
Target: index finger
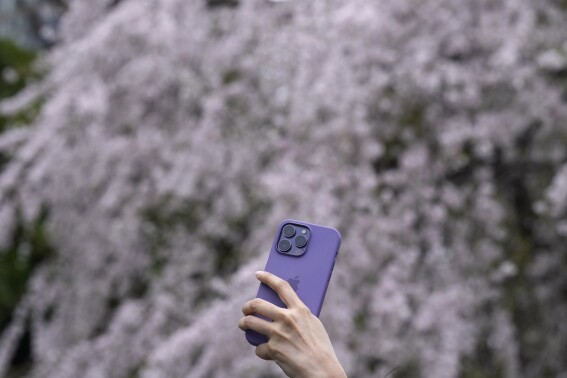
282, 287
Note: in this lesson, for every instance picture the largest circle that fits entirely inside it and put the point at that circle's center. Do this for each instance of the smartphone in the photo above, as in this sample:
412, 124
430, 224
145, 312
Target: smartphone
304, 255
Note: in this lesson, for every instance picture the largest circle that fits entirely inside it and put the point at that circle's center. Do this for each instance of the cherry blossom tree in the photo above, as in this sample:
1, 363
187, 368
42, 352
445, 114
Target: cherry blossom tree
175, 135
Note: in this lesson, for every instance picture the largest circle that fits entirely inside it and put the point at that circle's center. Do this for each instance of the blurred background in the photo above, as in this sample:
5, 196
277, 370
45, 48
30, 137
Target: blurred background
149, 149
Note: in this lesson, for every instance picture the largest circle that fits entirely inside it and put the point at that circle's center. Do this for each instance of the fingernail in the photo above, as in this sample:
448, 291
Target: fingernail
259, 273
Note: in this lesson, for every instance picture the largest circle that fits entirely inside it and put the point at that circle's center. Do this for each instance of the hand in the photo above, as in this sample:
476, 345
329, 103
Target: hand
297, 340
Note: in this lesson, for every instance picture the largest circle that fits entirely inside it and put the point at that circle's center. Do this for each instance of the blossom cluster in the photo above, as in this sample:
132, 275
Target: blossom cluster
175, 136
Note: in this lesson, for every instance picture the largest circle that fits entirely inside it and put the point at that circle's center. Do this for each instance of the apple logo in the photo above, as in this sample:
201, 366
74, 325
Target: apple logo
294, 282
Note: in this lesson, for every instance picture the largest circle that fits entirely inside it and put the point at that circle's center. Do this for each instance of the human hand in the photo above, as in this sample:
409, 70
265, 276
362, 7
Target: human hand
297, 340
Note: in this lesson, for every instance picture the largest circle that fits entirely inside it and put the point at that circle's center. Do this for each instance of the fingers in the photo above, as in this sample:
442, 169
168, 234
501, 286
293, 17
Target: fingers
262, 307
282, 287
256, 324
263, 351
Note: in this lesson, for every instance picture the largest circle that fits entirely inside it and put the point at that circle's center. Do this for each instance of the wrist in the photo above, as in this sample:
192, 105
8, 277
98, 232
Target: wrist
337, 372
331, 369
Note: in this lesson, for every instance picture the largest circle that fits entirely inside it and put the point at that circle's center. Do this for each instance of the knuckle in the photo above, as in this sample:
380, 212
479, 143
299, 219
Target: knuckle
253, 305
282, 285
258, 302
281, 334
287, 316
247, 322
304, 310
295, 315
298, 314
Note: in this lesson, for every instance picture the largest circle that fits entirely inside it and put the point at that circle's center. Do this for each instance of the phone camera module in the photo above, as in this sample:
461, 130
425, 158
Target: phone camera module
300, 241
284, 245
288, 231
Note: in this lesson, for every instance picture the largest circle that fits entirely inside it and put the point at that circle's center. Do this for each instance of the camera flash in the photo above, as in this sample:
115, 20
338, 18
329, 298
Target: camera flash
304, 231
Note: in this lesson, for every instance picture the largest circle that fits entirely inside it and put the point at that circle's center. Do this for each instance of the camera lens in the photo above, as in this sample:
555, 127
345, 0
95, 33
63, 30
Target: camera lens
284, 245
300, 241
288, 231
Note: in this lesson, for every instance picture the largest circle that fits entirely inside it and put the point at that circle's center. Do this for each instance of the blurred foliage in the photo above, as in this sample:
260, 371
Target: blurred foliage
16, 71
29, 243
29, 246
222, 3
31, 23
452, 199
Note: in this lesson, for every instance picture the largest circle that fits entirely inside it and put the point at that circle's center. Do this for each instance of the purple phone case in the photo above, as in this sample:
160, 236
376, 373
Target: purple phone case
313, 268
